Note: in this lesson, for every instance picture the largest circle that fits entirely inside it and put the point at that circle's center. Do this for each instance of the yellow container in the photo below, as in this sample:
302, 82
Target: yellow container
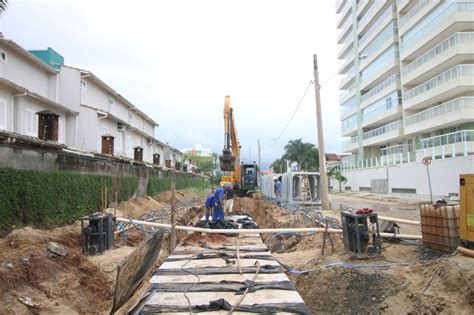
466, 188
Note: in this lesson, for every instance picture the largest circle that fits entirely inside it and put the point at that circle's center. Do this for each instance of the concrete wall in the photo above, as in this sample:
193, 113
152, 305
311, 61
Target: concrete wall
444, 176
27, 158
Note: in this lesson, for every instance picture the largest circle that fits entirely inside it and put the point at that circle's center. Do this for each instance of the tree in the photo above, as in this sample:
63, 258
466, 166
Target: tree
336, 173
205, 164
279, 166
304, 153
3, 6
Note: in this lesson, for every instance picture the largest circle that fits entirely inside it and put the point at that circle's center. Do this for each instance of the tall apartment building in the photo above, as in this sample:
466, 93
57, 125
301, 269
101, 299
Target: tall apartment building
408, 84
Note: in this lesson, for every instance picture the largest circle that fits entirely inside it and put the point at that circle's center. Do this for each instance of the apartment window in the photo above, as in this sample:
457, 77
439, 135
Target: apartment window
388, 102
3, 114
83, 85
3, 56
119, 140
60, 131
30, 122
111, 104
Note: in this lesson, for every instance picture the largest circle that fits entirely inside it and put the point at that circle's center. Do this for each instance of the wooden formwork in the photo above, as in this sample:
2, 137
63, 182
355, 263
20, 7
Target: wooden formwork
206, 277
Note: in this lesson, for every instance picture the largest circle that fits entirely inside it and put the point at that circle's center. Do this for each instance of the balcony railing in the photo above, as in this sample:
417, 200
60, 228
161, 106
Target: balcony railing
399, 148
380, 87
435, 21
349, 141
456, 38
453, 137
348, 106
376, 25
381, 106
457, 71
448, 107
381, 62
349, 123
384, 129
413, 10
389, 31
346, 94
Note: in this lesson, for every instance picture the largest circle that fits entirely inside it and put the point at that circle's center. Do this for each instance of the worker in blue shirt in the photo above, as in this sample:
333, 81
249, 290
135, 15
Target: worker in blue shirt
277, 188
210, 203
218, 213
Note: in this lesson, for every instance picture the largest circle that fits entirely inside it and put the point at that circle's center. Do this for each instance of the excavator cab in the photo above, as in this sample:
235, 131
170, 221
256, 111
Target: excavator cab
227, 160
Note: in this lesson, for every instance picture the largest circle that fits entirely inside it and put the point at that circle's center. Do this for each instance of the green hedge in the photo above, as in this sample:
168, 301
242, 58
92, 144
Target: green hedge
45, 199
160, 184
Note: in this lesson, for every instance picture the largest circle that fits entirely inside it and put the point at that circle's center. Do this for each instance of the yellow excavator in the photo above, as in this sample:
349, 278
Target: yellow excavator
244, 178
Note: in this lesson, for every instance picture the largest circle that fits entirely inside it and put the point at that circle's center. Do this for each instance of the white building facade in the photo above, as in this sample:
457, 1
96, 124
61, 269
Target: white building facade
408, 84
86, 113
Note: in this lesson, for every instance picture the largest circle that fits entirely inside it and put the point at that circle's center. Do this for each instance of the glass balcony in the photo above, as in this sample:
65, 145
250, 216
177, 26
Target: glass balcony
348, 106
349, 123
380, 87
375, 66
344, 96
381, 106
376, 26
449, 138
396, 149
456, 38
384, 129
349, 142
448, 107
457, 71
389, 31
441, 14
413, 10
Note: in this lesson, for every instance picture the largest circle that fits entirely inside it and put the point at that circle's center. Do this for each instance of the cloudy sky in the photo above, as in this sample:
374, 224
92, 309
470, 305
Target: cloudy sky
177, 59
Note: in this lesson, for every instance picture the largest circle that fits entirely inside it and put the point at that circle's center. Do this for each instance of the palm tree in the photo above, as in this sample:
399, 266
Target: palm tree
3, 6
303, 153
336, 173
279, 166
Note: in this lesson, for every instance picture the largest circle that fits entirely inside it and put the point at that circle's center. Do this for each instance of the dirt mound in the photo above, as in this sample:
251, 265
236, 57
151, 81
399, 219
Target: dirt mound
28, 269
211, 238
428, 282
72, 284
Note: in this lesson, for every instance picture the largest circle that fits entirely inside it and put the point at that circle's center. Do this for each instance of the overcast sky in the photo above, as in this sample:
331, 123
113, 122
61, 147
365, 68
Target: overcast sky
176, 60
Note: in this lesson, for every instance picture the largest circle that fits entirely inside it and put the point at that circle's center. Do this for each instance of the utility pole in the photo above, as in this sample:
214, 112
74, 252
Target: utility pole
173, 213
322, 154
259, 165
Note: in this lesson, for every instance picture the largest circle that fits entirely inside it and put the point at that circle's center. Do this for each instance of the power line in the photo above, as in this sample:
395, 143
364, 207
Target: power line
297, 107
292, 116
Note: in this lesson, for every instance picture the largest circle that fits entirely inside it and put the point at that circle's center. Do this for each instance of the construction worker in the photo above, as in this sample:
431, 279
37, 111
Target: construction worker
277, 188
229, 199
210, 203
218, 213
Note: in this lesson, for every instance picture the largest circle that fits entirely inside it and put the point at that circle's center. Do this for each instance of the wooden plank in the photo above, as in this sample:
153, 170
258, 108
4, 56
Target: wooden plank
215, 278
200, 298
217, 262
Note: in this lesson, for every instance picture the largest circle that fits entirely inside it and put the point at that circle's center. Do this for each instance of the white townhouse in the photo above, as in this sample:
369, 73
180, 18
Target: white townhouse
42, 98
29, 96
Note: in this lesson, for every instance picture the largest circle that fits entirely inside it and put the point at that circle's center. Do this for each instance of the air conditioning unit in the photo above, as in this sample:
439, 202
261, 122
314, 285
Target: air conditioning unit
121, 127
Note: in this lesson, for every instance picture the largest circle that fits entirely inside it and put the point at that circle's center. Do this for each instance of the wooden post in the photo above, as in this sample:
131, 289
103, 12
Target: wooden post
173, 213
322, 155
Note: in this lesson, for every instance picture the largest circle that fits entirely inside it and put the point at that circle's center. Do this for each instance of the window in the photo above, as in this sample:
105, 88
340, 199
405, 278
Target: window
3, 56
388, 102
111, 104
118, 142
60, 131
83, 85
3, 114
30, 123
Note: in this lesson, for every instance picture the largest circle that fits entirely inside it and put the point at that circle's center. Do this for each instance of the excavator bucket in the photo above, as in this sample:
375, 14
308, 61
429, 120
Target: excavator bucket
227, 161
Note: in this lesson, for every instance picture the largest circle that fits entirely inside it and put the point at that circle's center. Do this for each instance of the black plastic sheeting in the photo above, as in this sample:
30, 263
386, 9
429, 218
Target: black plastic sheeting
222, 286
223, 305
201, 256
219, 270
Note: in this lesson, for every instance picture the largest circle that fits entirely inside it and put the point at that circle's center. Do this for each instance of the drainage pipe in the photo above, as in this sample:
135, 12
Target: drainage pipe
398, 220
252, 231
465, 251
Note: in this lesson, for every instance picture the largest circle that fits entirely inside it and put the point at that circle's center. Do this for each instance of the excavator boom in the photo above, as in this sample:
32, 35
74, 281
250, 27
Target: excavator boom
231, 150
